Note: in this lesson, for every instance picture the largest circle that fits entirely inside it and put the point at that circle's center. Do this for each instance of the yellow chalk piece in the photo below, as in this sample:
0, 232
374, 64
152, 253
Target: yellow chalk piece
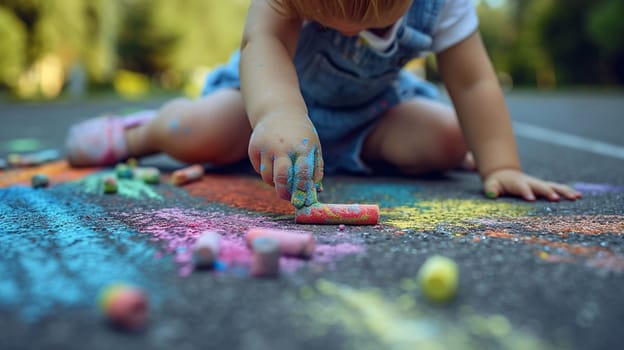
543, 255
438, 278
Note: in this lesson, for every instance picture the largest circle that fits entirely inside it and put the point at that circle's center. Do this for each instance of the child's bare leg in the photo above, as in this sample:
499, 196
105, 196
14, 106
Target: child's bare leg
418, 136
212, 129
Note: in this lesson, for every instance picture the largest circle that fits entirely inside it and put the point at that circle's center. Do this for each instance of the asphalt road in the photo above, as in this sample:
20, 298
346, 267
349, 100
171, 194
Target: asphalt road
532, 275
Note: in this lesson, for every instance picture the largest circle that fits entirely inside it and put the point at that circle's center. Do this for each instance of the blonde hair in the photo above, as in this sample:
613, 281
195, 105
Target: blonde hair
359, 11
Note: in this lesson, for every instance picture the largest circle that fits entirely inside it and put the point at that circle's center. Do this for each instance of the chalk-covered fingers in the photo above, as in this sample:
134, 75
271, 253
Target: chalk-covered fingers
305, 171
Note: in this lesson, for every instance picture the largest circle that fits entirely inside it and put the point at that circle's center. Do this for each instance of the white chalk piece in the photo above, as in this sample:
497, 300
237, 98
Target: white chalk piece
206, 249
266, 255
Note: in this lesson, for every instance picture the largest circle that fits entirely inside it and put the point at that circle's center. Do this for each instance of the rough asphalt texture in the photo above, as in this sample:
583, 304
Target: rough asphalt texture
563, 304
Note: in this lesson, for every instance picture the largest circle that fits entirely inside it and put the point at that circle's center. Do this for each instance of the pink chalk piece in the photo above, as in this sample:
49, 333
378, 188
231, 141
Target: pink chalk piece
291, 243
206, 249
331, 214
186, 175
266, 255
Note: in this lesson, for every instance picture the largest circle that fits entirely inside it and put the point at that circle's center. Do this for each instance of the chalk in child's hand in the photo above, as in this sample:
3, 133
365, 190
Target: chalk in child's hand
350, 214
291, 243
40, 181
186, 175
266, 254
438, 278
125, 306
123, 171
206, 249
110, 184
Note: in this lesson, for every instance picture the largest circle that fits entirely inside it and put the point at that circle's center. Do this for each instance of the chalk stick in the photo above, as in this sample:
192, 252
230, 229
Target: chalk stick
438, 278
266, 254
3, 163
331, 214
124, 306
186, 175
149, 175
206, 249
123, 171
110, 184
40, 181
291, 243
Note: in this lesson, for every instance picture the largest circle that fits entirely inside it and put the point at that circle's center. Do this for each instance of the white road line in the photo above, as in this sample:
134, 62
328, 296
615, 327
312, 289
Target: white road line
568, 140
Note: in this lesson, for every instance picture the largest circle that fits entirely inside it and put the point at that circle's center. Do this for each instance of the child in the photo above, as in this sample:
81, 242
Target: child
329, 73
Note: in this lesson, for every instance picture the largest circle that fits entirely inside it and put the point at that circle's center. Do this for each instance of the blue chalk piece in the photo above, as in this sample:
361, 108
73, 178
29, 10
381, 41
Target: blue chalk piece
219, 265
3, 163
40, 181
123, 171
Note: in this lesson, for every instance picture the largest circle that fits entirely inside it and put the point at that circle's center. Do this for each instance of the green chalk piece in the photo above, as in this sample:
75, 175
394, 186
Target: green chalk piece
438, 278
491, 195
110, 184
40, 181
123, 171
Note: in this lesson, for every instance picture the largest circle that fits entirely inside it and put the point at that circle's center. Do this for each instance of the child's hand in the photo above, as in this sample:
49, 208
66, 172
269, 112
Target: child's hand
515, 182
287, 153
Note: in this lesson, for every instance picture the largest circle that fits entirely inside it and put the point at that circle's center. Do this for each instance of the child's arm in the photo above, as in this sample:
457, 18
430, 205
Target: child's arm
472, 84
284, 147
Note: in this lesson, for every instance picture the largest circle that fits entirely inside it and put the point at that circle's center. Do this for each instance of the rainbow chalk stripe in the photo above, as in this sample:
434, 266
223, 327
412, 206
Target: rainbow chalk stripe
124, 305
186, 175
299, 244
330, 214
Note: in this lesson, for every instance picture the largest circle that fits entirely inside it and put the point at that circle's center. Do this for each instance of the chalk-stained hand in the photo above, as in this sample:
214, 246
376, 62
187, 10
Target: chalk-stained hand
287, 153
516, 183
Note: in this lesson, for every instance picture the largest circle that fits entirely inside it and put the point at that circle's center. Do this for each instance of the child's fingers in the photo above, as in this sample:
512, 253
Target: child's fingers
566, 191
318, 170
492, 188
545, 190
304, 189
266, 168
282, 177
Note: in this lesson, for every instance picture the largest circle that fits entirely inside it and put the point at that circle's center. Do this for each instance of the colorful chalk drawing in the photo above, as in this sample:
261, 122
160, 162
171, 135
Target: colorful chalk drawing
86, 256
450, 213
373, 321
156, 237
178, 229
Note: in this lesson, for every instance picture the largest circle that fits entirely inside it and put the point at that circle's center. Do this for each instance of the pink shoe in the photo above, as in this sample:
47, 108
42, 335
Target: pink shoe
102, 140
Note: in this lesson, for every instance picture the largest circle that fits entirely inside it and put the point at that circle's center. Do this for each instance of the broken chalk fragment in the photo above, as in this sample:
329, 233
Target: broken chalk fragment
206, 249
123, 171
186, 175
149, 175
124, 306
291, 243
349, 214
110, 184
438, 278
266, 254
40, 181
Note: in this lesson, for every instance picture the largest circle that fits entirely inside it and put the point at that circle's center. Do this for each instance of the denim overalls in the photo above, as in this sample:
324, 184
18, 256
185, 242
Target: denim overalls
347, 86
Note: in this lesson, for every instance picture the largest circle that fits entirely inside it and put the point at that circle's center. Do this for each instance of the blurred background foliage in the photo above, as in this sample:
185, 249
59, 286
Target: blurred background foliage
54, 47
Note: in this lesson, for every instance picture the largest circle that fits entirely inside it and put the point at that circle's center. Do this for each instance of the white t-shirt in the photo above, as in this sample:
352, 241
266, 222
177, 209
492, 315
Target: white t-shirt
458, 19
